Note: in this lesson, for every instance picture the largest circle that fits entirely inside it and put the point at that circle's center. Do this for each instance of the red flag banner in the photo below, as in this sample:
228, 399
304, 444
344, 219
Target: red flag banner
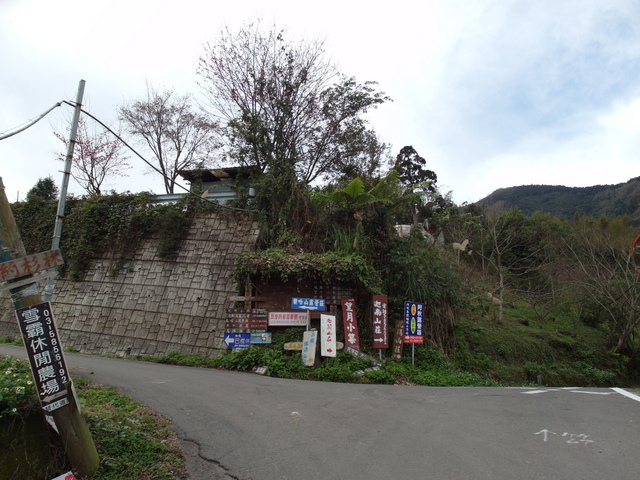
380, 322
351, 337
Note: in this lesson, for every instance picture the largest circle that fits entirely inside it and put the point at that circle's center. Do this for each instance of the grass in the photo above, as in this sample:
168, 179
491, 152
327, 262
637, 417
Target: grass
523, 349
133, 442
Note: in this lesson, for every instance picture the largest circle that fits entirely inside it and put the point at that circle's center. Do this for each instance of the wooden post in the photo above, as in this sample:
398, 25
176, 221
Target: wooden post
73, 430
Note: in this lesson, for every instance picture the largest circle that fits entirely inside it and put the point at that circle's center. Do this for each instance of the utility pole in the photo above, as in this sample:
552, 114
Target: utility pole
57, 229
59, 401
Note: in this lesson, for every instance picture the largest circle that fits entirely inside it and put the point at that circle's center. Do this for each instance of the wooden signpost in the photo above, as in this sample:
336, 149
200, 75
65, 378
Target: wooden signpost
246, 320
398, 341
43, 345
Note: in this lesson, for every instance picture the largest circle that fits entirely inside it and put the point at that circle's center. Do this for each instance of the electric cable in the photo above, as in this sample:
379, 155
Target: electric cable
150, 164
29, 124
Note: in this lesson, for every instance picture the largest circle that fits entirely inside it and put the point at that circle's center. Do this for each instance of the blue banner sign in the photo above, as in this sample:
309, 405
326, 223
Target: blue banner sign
413, 322
237, 340
308, 304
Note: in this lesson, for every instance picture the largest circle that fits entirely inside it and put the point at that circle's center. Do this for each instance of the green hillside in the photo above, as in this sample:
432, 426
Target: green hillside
600, 200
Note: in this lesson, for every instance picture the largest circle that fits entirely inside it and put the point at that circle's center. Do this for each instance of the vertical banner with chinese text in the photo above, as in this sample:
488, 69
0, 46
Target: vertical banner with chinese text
328, 335
413, 322
398, 341
351, 337
45, 354
309, 339
380, 321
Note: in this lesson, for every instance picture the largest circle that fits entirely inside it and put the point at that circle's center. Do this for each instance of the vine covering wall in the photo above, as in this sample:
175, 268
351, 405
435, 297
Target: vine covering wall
153, 305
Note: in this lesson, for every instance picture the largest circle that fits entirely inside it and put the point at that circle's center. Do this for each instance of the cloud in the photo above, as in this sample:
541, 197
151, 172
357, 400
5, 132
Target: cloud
493, 93
531, 74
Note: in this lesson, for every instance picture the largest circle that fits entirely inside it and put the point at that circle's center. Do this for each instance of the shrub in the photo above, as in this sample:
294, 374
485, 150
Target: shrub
17, 390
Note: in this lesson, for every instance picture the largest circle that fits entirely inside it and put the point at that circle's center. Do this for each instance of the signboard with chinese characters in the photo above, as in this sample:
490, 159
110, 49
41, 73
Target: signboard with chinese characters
331, 293
309, 339
308, 304
45, 354
237, 340
350, 324
246, 320
328, 335
288, 319
398, 341
20, 267
260, 338
413, 322
380, 321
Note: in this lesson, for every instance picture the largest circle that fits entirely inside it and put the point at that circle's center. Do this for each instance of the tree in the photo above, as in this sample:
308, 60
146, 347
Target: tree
516, 250
45, 189
97, 155
417, 179
412, 172
178, 137
284, 107
606, 276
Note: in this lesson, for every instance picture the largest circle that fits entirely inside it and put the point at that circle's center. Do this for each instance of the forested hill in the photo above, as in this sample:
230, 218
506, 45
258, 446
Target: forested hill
609, 200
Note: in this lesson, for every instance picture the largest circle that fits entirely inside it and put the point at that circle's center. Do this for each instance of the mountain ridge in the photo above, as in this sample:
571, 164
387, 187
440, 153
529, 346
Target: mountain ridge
618, 200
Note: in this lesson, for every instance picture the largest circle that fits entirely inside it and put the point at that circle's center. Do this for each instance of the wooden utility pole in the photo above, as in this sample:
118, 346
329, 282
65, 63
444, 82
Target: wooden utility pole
73, 430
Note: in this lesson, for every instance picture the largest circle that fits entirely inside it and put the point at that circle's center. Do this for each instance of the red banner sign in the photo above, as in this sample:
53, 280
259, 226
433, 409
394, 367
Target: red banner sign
380, 322
351, 337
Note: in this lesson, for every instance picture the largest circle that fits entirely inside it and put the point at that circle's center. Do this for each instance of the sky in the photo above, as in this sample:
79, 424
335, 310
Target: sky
492, 93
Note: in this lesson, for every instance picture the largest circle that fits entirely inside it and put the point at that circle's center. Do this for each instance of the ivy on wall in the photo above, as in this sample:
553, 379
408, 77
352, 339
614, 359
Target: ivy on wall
329, 267
114, 225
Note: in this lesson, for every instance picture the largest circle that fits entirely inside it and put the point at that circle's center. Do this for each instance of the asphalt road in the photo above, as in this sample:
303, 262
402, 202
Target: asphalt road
246, 426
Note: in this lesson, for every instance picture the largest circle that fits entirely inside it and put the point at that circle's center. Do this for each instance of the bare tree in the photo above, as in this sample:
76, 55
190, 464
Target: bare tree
607, 278
177, 136
514, 250
284, 107
97, 155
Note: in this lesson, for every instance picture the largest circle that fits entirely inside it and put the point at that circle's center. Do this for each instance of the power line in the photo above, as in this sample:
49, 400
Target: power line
29, 123
151, 165
32, 122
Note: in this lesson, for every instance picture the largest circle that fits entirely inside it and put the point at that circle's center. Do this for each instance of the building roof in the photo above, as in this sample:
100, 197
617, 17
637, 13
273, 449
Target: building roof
207, 175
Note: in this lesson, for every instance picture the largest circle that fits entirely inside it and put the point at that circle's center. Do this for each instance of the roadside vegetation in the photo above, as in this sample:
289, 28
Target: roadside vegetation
511, 298
133, 442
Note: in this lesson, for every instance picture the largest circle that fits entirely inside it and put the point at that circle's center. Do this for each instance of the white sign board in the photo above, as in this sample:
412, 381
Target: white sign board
288, 319
328, 335
309, 339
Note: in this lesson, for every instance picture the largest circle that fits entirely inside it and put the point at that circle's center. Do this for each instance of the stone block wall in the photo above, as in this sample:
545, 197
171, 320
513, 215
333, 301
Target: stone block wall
154, 305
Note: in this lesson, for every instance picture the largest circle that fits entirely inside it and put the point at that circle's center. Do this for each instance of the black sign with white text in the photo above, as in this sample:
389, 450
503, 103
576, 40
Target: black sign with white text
45, 354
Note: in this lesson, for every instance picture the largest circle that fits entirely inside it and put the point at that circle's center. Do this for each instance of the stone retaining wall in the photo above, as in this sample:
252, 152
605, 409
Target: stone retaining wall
154, 305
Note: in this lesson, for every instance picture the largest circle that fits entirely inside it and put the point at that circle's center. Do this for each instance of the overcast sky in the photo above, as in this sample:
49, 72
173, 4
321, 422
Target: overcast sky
492, 93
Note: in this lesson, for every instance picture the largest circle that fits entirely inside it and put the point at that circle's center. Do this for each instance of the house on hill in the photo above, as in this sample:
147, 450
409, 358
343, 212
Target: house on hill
221, 184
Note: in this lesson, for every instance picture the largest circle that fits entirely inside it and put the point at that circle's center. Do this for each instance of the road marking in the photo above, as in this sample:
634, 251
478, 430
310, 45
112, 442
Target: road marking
571, 389
591, 393
621, 391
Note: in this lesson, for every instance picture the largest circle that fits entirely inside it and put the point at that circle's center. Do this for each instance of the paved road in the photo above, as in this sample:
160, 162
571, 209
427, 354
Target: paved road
261, 428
